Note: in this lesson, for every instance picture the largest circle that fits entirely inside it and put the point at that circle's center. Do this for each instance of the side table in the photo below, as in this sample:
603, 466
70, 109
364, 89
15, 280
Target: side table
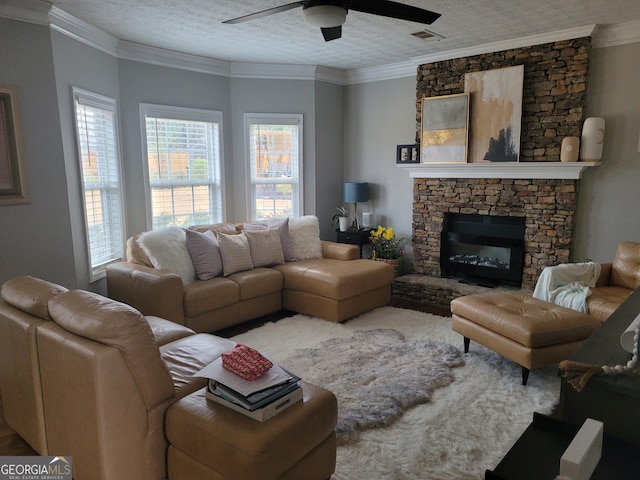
536, 455
360, 238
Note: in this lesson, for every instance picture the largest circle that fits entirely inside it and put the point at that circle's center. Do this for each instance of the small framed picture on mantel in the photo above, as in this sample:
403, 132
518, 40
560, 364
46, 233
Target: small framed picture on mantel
408, 154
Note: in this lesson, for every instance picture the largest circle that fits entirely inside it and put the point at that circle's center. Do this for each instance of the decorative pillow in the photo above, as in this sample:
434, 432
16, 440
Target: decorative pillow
216, 228
265, 247
282, 226
167, 250
235, 252
305, 237
205, 254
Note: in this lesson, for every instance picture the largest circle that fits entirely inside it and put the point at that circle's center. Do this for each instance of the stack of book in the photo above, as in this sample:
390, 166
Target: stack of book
259, 399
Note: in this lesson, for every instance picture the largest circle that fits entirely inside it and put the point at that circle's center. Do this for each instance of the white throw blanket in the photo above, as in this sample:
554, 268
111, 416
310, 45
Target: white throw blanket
568, 284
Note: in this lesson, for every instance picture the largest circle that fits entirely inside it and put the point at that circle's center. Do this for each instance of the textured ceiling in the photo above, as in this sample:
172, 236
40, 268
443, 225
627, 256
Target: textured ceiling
195, 27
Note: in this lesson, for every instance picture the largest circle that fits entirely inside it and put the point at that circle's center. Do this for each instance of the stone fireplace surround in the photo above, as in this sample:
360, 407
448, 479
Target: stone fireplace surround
553, 102
548, 206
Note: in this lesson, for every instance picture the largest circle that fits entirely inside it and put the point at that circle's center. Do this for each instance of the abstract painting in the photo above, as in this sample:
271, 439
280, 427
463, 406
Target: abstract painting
496, 114
445, 122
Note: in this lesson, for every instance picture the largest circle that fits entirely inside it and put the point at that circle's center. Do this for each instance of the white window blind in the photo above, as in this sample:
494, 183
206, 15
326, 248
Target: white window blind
274, 146
184, 165
98, 147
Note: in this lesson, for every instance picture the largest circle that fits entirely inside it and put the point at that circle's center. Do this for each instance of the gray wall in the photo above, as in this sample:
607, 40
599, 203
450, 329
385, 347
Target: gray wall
145, 83
77, 65
329, 158
610, 193
379, 116
34, 238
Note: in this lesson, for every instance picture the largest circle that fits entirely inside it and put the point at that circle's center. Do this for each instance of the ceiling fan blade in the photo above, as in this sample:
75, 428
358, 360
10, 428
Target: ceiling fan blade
264, 13
332, 33
390, 9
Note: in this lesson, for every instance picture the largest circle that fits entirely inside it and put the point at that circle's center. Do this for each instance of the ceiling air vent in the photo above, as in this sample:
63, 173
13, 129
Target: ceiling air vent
427, 36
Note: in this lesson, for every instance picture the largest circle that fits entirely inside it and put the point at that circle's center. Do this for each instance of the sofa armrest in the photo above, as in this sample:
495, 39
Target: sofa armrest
604, 279
149, 290
340, 251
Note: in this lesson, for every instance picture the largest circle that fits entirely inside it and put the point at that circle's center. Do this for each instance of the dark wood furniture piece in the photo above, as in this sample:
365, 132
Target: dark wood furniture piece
613, 400
359, 238
536, 455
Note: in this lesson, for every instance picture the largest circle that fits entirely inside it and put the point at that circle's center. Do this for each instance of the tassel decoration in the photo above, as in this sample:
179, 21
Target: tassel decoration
578, 374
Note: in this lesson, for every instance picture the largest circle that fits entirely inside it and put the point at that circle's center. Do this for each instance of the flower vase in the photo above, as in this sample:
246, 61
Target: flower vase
389, 261
344, 223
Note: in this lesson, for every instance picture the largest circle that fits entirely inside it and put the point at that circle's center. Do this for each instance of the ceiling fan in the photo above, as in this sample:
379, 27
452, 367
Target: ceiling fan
329, 15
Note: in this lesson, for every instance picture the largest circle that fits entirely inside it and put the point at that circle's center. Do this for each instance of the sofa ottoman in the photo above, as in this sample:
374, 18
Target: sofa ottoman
526, 330
333, 289
211, 442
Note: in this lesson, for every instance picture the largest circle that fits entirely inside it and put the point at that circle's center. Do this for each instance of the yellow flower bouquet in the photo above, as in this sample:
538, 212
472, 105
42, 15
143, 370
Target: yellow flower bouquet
385, 244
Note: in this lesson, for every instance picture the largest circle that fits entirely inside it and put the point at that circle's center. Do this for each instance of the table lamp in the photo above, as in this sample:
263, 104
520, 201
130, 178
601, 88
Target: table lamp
355, 192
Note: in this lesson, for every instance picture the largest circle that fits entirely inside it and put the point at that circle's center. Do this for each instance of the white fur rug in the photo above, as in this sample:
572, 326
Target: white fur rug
465, 428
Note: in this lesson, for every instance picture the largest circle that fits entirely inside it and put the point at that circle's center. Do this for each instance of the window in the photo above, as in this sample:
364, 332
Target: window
99, 152
274, 149
183, 149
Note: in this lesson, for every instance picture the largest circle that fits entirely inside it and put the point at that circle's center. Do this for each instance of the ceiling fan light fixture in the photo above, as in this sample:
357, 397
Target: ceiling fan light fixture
325, 16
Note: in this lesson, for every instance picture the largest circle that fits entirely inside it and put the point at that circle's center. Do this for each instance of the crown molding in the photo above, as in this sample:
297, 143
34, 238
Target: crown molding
168, 58
81, 31
30, 11
529, 41
382, 72
620, 34
273, 71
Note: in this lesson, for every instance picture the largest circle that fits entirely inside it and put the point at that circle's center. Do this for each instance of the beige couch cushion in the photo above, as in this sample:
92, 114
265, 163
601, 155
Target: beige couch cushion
113, 323
625, 270
188, 355
335, 279
258, 282
31, 295
201, 297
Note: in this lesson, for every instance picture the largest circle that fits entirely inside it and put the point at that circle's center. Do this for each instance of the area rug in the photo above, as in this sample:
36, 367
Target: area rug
463, 429
376, 375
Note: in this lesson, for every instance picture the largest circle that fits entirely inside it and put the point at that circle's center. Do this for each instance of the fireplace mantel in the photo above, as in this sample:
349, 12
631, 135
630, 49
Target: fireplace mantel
559, 170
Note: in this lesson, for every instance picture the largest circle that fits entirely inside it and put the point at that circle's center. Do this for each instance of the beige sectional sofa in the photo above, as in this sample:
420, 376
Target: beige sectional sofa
314, 277
89, 377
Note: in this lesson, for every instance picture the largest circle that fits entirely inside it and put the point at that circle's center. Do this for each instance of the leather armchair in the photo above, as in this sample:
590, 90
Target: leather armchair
616, 281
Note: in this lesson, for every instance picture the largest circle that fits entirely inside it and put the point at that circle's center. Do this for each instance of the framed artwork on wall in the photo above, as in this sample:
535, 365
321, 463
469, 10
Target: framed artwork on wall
13, 186
408, 154
444, 132
496, 106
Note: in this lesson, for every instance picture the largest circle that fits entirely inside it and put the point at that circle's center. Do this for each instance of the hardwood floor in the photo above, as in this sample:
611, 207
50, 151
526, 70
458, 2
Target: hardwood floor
12, 444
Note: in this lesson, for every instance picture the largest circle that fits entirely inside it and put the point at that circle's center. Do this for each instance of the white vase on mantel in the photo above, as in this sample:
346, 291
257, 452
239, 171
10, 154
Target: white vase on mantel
592, 141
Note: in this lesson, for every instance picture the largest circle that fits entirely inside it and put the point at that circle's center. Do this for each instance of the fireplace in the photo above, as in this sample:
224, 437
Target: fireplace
547, 206
487, 250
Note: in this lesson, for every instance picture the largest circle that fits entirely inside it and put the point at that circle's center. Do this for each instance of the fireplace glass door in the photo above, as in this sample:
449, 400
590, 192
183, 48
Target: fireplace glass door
483, 249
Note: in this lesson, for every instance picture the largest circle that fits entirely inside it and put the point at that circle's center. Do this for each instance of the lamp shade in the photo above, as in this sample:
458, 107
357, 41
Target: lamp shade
355, 192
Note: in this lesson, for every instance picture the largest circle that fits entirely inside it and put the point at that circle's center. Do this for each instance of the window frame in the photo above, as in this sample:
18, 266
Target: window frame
295, 119
79, 97
180, 114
